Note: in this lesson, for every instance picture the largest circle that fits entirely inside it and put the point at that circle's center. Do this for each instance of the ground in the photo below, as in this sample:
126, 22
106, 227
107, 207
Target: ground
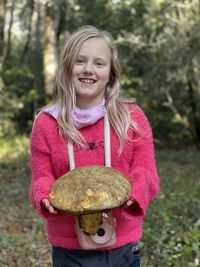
171, 228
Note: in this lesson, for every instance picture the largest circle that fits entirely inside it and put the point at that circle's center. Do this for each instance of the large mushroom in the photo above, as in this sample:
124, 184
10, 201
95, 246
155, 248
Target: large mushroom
89, 191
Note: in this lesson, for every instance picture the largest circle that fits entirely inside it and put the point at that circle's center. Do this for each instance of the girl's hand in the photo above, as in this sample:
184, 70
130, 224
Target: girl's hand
46, 204
128, 203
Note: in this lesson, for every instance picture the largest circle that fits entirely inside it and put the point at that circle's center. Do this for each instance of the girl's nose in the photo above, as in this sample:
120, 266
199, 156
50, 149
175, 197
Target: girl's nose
88, 68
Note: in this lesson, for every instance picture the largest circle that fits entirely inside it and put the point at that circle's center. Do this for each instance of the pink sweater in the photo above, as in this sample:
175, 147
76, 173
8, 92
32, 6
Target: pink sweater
49, 161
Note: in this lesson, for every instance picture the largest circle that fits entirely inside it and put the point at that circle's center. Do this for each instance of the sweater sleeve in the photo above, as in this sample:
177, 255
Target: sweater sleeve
41, 167
143, 171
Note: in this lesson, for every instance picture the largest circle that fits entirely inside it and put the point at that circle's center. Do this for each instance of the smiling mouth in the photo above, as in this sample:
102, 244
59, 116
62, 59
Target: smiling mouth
88, 81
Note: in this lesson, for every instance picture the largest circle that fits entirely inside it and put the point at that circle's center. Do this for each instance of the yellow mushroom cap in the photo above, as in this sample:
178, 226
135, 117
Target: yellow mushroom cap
89, 189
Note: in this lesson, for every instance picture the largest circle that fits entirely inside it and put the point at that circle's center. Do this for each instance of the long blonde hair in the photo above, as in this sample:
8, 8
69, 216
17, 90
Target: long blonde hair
64, 91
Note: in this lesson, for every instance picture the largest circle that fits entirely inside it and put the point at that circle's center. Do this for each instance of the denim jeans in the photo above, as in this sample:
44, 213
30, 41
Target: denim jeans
136, 263
126, 256
136, 259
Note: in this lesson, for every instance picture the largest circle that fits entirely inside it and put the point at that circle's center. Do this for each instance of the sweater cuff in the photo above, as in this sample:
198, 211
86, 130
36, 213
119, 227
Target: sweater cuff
141, 192
36, 196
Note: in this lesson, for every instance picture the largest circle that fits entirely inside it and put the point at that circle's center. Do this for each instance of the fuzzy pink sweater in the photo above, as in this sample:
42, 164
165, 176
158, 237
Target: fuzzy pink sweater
49, 161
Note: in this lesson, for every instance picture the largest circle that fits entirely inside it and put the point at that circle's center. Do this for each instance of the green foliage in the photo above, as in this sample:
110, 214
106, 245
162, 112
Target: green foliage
159, 49
163, 57
172, 224
22, 237
13, 147
18, 101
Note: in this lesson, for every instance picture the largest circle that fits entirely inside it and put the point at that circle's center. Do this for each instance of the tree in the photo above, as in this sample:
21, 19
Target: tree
2, 24
27, 12
49, 49
8, 43
162, 56
158, 43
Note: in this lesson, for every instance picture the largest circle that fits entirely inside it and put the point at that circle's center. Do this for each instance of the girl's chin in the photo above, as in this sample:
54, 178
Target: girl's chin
92, 100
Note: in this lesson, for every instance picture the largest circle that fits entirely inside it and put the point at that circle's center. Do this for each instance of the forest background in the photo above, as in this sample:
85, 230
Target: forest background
159, 49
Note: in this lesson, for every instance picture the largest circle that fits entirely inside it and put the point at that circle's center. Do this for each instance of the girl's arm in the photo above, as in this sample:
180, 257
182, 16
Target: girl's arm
42, 173
143, 171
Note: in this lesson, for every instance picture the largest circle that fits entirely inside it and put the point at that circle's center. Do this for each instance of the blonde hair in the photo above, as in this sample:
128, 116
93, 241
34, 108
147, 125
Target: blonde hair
64, 91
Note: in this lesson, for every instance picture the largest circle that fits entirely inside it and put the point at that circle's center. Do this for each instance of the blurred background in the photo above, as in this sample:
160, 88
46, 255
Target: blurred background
159, 49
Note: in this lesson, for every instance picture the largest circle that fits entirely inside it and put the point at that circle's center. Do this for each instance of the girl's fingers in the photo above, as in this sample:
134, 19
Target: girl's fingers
47, 205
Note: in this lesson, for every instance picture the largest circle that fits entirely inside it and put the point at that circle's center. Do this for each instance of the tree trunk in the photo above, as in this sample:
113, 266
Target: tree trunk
62, 9
2, 22
195, 118
29, 28
49, 51
8, 45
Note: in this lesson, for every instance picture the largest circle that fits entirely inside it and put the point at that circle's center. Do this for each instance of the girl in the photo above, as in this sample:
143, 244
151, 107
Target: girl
87, 88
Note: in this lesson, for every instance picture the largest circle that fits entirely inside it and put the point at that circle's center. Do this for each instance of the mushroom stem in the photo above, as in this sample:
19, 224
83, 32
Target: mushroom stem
90, 223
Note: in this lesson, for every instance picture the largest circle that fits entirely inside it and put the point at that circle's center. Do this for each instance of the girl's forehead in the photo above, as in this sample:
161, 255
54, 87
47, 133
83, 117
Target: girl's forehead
95, 46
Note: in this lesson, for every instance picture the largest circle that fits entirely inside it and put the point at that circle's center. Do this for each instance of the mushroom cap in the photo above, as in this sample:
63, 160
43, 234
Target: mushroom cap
90, 189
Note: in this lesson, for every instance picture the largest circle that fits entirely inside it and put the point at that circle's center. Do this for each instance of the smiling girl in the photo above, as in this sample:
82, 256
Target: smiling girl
86, 93
91, 72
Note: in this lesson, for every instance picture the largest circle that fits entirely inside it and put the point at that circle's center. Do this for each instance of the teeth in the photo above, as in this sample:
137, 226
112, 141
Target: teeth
87, 80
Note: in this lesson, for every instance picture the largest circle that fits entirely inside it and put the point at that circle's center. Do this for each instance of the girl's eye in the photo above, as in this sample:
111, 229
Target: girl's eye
80, 61
100, 64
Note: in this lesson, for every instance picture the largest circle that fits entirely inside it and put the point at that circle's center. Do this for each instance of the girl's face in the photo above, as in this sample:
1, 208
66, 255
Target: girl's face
91, 72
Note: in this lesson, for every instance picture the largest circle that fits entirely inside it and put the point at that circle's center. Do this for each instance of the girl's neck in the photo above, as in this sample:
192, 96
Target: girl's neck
87, 116
88, 103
